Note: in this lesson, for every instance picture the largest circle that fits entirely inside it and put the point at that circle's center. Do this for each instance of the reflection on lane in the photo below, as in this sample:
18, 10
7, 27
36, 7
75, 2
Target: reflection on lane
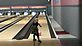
44, 29
13, 30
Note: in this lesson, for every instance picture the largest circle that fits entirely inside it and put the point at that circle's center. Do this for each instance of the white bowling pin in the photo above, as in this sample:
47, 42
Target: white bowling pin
17, 13
33, 13
8, 13
1, 14
25, 13
40, 13
43, 13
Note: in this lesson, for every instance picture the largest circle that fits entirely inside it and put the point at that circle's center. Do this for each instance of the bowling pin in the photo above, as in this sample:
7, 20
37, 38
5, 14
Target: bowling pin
25, 13
40, 13
8, 13
17, 13
43, 13
33, 13
1, 14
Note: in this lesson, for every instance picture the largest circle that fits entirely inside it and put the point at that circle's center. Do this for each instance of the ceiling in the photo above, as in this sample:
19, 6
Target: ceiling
23, 2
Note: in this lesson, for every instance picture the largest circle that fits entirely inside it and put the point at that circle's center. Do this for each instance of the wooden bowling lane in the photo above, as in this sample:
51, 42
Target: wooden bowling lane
9, 33
53, 42
4, 17
45, 35
6, 36
44, 29
8, 21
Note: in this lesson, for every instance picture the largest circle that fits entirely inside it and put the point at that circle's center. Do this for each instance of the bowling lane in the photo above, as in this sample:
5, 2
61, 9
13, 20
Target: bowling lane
4, 17
13, 30
6, 36
8, 21
44, 29
45, 35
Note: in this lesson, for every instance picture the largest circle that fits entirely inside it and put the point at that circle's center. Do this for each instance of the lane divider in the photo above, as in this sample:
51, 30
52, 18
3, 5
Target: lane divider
52, 27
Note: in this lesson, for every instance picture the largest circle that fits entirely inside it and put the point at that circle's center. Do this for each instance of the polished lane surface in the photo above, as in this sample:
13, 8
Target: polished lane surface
6, 38
44, 29
45, 35
8, 21
5, 17
13, 30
